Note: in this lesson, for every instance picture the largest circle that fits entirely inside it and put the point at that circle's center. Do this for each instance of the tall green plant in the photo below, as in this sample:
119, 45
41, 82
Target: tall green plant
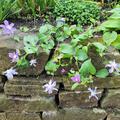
45, 4
7, 9
36, 7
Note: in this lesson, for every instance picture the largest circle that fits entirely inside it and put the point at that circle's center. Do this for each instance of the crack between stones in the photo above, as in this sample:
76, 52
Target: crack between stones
105, 117
40, 115
104, 94
50, 55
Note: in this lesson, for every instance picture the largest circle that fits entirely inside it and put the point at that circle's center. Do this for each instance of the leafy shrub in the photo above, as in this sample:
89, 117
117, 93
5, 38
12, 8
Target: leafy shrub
111, 28
113, 22
75, 11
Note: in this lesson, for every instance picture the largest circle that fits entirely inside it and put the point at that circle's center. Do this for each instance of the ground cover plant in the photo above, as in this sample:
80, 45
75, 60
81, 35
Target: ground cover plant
82, 12
71, 43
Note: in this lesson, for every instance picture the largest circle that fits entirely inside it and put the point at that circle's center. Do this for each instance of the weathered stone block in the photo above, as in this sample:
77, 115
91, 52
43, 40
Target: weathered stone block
7, 45
41, 104
23, 86
113, 117
108, 82
2, 116
75, 114
36, 104
41, 59
22, 116
112, 100
78, 99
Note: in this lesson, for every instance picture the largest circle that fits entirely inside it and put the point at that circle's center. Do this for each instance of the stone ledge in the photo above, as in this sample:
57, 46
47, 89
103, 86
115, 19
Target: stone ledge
2, 116
19, 116
36, 104
77, 98
113, 117
112, 99
75, 114
22, 116
101, 83
23, 86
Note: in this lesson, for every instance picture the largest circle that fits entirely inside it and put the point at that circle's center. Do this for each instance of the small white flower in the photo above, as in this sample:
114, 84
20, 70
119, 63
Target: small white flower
33, 62
9, 73
93, 93
113, 66
50, 87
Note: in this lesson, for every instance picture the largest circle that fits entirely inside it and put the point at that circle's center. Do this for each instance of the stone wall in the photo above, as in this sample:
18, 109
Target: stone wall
23, 98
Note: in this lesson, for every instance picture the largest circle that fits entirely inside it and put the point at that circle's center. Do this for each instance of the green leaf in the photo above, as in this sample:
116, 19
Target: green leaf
45, 28
51, 66
116, 43
30, 44
74, 42
100, 47
81, 55
109, 37
85, 48
67, 30
112, 24
87, 67
102, 73
22, 62
74, 86
66, 48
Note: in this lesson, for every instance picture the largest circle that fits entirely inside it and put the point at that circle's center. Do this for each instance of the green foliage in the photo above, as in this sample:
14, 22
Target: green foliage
113, 22
76, 50
111, 28
66, 49
103, 73
30, 44
23, 62
51, 67
116, 43
71, 44
80, 54
35, 7
109, 37
7, 9
100, 48
74, 86
76, 11
87, 67
45, 37
46, 4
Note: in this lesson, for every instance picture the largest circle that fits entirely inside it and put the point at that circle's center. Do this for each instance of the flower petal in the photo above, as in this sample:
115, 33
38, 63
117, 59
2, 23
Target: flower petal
6, 22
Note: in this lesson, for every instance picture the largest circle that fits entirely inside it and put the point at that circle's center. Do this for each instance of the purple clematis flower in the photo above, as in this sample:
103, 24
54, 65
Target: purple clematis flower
76, 78
8, 29
113, 66
50, 87
14, 56
33, 62
93, 93
9, 73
